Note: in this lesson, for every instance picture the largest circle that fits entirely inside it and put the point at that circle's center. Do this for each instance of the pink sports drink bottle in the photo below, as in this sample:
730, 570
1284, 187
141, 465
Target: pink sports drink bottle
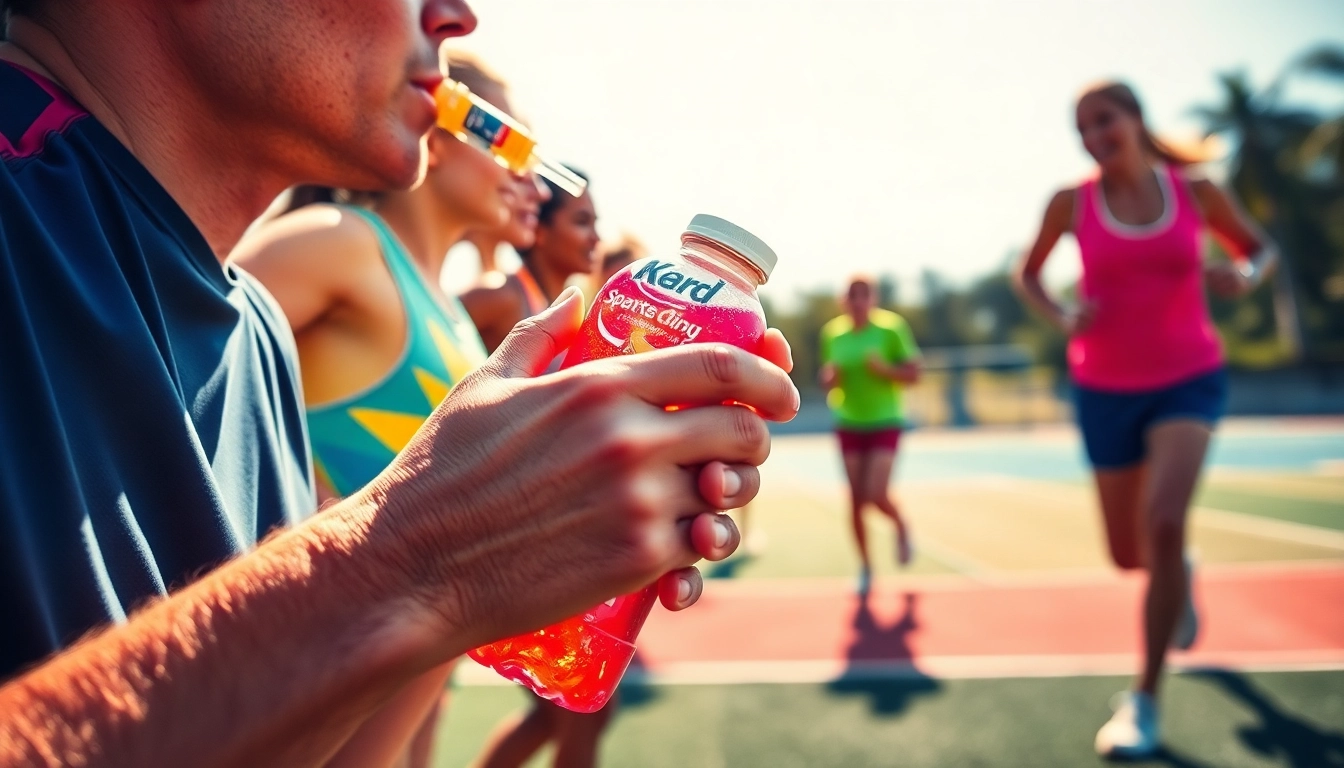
707, 292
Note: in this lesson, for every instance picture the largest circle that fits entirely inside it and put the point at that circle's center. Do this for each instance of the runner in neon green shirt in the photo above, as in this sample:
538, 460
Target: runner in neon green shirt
867, 397
868, 355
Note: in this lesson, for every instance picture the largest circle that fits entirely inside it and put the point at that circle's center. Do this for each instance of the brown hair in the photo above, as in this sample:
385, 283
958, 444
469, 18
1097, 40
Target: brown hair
627, 249
1122, 96
865, 280
469, 70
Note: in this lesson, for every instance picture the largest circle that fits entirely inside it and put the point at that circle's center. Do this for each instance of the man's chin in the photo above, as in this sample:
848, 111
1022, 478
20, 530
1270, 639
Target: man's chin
404, 173
408, 169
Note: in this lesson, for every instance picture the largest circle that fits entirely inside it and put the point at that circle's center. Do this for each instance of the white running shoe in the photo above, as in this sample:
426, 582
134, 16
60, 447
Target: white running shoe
1132, 730
1187, 627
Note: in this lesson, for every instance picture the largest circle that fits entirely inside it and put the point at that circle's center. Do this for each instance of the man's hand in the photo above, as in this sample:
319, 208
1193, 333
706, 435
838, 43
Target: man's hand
525, 500
522, 501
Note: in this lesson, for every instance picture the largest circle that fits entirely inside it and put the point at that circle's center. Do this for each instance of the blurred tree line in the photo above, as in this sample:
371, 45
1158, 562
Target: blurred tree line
986, 312
1286, 167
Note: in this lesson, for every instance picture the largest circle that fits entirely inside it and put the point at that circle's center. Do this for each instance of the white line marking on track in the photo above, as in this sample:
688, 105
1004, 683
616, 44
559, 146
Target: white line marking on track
818, 671
1237, 522
1042, 578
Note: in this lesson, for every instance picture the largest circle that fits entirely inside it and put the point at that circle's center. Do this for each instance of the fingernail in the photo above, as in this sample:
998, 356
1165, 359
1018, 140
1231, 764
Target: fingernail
797, 399
721, 532
683, 590
732, 483
564, 295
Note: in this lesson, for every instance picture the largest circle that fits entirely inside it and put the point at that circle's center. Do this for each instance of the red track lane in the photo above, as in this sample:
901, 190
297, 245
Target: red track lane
1299, 611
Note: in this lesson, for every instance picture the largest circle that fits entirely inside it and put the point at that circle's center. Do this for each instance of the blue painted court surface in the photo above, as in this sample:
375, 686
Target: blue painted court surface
1055, 453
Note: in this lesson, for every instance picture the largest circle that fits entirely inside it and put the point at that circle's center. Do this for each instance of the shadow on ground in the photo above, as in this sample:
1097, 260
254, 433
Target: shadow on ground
889, 692
1279, 735
727, 569
1165, 758
635, 690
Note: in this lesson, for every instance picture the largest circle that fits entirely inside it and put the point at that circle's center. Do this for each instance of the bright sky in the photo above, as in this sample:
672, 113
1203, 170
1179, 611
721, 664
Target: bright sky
887, 136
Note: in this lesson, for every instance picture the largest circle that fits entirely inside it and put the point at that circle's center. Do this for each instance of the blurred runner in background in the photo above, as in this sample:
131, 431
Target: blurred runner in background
1145, 359
868, 355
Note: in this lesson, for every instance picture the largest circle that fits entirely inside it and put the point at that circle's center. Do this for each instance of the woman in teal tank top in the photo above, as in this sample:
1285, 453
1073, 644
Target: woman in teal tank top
380, 344
355, 437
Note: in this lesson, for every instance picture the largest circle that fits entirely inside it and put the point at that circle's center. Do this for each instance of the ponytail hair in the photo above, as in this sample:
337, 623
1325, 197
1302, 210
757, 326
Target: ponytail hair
1122, 96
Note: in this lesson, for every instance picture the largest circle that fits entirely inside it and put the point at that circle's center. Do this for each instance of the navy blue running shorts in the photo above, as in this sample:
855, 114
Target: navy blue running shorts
1114, 424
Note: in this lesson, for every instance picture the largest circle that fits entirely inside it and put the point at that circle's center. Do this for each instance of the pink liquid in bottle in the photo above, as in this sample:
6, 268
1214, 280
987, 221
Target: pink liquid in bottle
707, 292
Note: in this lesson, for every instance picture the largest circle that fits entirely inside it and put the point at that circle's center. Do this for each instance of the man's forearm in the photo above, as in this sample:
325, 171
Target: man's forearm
272, 659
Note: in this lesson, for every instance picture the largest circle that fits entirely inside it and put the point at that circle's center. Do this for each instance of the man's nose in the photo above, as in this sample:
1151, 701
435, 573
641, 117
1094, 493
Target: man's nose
443, 19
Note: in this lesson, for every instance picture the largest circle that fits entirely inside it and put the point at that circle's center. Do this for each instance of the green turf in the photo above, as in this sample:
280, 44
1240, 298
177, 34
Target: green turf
1212, 719
1325, 514
808, 531
810, 536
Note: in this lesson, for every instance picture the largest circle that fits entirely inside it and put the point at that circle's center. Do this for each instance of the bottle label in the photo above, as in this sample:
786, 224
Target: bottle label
486, 127
654, 305
658, 303
663, 275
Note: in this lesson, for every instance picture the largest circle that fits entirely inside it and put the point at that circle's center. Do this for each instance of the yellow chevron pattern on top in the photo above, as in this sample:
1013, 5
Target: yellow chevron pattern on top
393, 430
457, 364
433, 387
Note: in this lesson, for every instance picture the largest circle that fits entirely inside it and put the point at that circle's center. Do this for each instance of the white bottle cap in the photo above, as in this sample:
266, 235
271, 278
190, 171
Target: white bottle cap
729, 234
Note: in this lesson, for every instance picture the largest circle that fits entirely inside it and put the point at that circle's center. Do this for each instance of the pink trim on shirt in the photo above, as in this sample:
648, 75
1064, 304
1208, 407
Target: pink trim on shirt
56, 118
1152, 326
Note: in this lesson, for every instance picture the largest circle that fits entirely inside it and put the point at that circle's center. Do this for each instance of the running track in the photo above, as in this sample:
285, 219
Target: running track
1001, 618
1254, 617
810, 631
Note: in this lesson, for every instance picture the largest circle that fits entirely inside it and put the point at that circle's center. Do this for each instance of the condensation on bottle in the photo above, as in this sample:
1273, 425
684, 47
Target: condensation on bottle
705, 293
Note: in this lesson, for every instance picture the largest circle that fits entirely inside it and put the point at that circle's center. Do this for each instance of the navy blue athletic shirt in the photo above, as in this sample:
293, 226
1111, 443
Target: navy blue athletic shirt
151, 418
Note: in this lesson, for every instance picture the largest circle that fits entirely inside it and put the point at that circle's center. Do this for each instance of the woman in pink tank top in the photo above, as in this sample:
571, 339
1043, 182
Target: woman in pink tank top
1145, 360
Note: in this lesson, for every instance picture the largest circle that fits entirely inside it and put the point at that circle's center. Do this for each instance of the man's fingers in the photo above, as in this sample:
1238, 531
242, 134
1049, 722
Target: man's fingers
704, 374
725, 486
712, 535
534, 342
680, 589
728, 433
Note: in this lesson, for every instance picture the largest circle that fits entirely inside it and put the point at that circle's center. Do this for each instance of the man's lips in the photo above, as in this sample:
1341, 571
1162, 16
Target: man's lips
427, 84
427, 81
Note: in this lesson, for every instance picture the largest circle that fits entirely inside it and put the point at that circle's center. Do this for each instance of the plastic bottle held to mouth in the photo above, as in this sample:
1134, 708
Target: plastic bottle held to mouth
707, 292
475, 121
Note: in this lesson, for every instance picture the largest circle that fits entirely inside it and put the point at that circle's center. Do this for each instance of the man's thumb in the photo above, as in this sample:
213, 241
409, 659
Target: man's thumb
536, 341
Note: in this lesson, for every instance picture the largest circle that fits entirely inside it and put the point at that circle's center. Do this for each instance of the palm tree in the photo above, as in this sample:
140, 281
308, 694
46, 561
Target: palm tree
1259, 131
1275, 148
1325, 146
